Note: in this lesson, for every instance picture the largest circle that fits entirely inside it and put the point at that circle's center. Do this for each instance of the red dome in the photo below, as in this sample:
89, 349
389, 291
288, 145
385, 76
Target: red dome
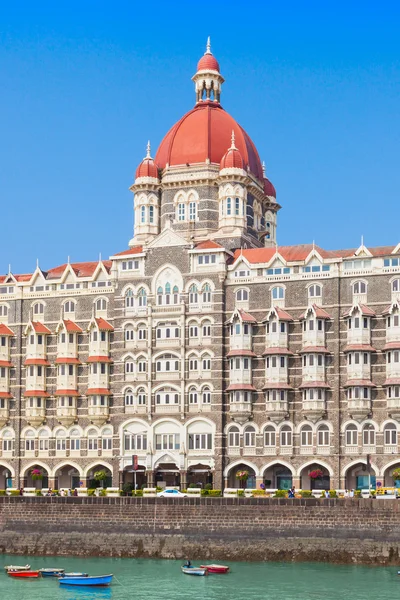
232, 160
205, 132
269, 189
147, 168
208, 62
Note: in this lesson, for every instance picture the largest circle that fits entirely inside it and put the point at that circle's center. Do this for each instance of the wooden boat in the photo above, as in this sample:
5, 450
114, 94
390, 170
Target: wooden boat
215, 568
17, 568
51, 572
194, 571
99, 580
27, 574
74, 575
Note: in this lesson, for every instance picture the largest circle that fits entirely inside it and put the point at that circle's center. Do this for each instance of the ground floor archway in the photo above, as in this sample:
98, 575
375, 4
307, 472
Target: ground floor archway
315, 477
129, 478
92, 482
235, 482
67, 477
278, 476
6, 476
36, 476
388, 479
199, 475
357, 477
167, 475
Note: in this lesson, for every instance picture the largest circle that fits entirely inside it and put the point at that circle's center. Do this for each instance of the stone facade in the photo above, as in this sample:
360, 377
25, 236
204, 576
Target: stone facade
204, 348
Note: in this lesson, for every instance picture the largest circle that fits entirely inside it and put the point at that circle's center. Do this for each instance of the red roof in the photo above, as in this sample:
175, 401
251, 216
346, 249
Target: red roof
392, 381
205, 133
66, 393
277, 386
72, 327
241, 353
36, 394
317, 349
37, 361
365, 310
135, 250
241, 386
361, 347
99, 359
392, 346
98, 392
82, 269
359, 382
232, 159
320, 313
147, 168
246, 317
208, 245
282, 314
103, 325
208, 62
276, 351
6, 363
269, 189
313, 384
40, 328
4, 330
5, 395
67, 360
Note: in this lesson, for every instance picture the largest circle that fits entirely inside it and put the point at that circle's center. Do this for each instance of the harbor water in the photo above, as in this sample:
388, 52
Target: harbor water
162, 579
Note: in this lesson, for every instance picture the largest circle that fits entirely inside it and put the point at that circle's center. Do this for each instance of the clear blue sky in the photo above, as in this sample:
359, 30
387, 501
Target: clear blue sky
84, 85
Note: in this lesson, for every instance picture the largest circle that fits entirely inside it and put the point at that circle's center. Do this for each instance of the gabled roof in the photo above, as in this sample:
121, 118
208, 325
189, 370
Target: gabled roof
242, 315
319, 312
135, 250
71, 326
363, 308
103, 325
208, 245
83, 269
39, 327
4, 330
280, 313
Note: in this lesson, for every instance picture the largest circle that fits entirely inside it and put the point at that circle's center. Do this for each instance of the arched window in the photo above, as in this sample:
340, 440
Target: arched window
175, 293
75, 440
69, 306
228, 206
151, 214
38, 308
207, 293
306, 436
390, 434
29, 440
142, 297
129, 333
369, 435
3, 310
206, 329
278, 293
101, 304
61, 441
92, 436
143, 214
129, 299
351, 435
141, 397
242, 295
159, 295
234, 437
192, 210
129, 397
250, 436
396, 285
43, 440
359, 287
206, 395
269, 436
129, 365
323, 435
206, 362
314, 291
167, 395
193, 396
106, 439
286, 436
167, 363
193, 295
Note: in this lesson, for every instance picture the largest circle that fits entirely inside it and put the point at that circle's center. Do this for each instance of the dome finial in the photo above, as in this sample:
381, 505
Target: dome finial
148, 155
208, 46
263, 167
233, 147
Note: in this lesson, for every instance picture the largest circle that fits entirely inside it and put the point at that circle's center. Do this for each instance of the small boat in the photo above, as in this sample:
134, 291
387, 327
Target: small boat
99, 580
27, 574
194, 571
74, 575
51, 572
17, 568
215, 568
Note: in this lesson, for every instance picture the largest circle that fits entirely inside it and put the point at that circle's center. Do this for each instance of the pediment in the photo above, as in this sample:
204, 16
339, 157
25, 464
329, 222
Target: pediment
168, 238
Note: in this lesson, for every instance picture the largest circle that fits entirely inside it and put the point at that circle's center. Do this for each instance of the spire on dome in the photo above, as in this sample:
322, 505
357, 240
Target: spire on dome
208, 80
148, 154
233, 147
263, 167
208, 47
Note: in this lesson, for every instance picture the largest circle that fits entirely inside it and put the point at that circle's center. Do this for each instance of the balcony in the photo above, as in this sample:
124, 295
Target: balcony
360, 371
277, 410
390, 450
98, 414
360, 335
67, 414
314, 409
240, 411
35, 415
167, 376
359, 407
167, 409
174, 342
323, 450
233, 451
141, 410
306, 450
240, 342
240, 376
313, 373
276, 375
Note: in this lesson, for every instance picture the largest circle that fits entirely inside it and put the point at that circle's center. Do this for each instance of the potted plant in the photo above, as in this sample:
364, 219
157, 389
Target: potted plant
243, 477
36, 475
316, 474
100, 476
396, 474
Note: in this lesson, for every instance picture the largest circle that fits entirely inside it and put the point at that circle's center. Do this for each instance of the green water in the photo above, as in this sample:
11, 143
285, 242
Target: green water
162, 580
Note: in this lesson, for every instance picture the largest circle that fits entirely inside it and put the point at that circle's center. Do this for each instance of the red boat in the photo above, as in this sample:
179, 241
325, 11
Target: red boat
30, 574
215, 568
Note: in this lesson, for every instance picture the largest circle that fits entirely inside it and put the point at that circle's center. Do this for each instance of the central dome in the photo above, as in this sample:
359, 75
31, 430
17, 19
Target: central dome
205, 133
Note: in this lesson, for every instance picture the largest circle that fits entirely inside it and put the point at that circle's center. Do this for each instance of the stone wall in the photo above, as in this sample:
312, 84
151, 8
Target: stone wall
356, 531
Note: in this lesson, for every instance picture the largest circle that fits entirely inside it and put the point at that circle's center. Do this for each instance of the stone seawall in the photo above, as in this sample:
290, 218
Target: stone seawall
358, 531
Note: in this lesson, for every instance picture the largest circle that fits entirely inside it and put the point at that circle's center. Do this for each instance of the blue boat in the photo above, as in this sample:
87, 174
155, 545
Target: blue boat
51, 572
100, 580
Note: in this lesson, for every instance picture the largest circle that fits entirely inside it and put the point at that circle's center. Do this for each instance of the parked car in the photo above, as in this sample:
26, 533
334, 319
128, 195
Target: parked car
171, 494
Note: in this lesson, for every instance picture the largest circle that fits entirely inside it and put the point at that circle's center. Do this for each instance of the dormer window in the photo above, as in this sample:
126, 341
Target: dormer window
242, 273
207, 259
316, 268
278, 271
391, 262
362, 263
130, 265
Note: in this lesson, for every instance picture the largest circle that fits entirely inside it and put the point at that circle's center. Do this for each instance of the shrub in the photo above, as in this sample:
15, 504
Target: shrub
259, 493
137, 493
127, 488
91, 492
39, 493
306, 493
214, 493
240, 493
192, 485
332, 494
280, 494
2, 492
205, 492
208, 486
15, 493
102, 493
159, 489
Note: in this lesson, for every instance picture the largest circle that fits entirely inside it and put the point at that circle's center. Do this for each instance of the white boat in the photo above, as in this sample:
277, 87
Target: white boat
17, 568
